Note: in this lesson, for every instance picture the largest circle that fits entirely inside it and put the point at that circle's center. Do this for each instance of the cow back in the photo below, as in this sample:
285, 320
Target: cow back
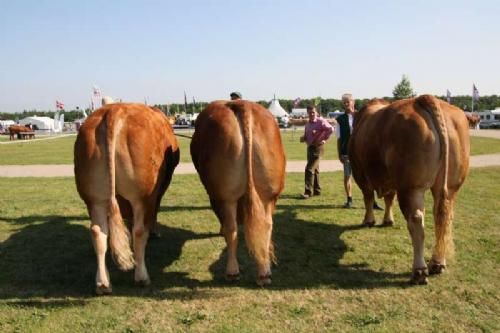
143, 147
399, 146
219, 151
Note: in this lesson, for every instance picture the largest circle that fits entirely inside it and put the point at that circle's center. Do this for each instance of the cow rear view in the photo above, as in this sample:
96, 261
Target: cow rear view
407, 148
238, 153
126, 152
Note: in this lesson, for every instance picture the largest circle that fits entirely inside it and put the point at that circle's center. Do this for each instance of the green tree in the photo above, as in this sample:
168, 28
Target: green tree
403, 89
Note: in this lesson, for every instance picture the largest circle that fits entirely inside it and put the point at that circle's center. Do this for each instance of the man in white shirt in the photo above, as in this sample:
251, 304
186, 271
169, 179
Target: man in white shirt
343, 132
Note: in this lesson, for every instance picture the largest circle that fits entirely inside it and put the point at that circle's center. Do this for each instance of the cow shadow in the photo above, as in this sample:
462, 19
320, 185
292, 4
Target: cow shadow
309, 255
52, 256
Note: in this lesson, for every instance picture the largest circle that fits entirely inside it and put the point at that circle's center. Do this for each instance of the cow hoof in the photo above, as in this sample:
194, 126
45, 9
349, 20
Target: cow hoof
436, 268
368, 224
264, 280
232, 277
143, 283
419, 276
103, 290
387, 223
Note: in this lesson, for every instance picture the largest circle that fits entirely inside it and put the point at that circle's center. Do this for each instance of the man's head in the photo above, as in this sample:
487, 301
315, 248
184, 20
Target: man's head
235, 95
348, 103
312, 113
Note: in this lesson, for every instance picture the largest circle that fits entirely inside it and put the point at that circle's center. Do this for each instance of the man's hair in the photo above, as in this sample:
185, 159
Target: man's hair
236, 94
347, 96
310, 107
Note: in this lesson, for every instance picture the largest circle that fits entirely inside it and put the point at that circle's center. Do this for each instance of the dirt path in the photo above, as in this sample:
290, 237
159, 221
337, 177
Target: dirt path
188, 168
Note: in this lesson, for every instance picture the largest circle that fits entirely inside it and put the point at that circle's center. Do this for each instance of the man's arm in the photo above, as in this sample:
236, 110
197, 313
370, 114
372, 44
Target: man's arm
303, 137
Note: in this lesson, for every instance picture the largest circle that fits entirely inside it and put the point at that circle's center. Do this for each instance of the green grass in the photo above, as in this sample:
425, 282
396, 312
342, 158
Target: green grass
25, 152
332, 275
60, 151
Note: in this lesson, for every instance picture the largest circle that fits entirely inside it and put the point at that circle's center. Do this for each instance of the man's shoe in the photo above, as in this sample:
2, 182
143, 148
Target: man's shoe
348, 204
317, 193
305, 196
376, 206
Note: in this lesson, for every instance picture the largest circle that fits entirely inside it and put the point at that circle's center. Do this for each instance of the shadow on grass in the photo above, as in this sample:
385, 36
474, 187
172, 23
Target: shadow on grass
309, 256
55, 258
42, 218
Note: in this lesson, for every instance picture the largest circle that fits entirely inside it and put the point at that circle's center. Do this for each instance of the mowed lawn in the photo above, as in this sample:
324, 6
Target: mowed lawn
60, 150
332, 275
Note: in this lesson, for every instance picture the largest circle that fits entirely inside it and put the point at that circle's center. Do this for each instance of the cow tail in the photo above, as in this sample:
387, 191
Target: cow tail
257, 230
442, 203
119, 236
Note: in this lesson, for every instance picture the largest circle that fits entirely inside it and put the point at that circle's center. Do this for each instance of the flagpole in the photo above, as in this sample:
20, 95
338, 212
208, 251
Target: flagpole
472, 100
473, 96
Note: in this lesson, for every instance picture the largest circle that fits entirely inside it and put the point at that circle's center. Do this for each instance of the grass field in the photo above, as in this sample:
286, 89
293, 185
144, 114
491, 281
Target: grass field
60, 151
332, 275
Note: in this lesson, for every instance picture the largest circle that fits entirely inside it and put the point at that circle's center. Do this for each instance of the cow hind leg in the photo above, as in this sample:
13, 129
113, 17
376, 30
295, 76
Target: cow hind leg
140, 232
99, 233
412, 206
388, 216
226, 212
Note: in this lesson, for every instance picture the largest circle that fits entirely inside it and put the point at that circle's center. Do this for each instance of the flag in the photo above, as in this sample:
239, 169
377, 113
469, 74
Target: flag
475, 93
97, 92
296, 102
448, 96
59, 105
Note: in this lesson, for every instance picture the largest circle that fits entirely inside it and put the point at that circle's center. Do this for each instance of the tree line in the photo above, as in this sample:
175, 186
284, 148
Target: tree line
402, 90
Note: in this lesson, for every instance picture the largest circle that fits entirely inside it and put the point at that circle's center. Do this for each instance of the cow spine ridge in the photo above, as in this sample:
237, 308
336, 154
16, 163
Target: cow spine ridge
119, 236
443, 220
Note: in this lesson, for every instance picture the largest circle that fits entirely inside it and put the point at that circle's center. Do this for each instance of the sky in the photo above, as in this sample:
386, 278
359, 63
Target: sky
154, 51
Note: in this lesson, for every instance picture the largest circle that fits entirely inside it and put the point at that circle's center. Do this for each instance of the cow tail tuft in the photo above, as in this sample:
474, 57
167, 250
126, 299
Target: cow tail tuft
442, 204
119, 236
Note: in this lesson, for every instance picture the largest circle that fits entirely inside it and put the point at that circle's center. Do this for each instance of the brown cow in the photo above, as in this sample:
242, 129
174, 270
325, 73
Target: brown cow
238, 153
18, 130
129, 152
406, 148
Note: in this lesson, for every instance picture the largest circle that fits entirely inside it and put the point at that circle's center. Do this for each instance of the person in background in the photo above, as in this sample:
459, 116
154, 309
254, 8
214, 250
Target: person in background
235, 95
343, 132
316, 132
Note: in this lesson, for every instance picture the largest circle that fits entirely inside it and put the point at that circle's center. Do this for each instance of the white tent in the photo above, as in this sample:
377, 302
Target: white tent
7, 123
43, 123
276, 109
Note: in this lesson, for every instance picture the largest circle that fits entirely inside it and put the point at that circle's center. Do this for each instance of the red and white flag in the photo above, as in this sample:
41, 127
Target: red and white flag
296, 102
59, 105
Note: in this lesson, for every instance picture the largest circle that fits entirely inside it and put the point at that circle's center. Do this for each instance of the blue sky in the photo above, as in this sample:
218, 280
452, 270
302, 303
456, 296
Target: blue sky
57, 50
